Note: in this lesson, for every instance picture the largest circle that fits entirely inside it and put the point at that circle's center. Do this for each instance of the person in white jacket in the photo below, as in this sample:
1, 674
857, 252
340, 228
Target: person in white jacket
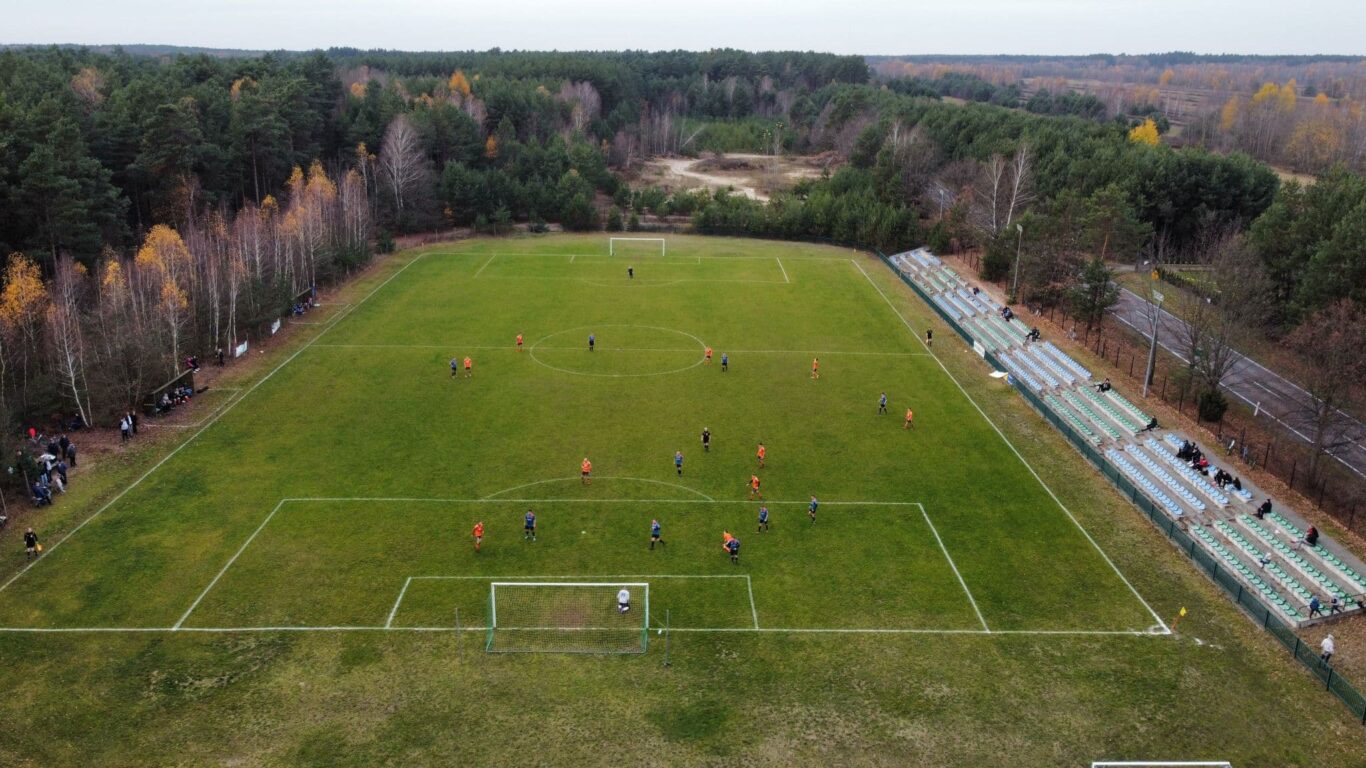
1328, 647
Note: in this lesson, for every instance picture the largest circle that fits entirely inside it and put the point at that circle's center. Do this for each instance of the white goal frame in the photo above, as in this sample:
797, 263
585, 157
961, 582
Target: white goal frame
612, 244
640, 588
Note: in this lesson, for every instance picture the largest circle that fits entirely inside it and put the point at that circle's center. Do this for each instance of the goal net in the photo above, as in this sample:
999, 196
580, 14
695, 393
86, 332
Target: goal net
636, 246
568, 617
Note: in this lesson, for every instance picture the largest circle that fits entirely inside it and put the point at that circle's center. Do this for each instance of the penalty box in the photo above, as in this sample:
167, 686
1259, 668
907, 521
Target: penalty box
405, 563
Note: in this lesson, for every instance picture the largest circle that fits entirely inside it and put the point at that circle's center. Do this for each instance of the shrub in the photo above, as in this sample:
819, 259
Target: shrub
1211, 405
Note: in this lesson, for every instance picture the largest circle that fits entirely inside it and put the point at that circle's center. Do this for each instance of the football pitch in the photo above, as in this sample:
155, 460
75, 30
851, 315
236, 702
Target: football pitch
328, 504
363, 465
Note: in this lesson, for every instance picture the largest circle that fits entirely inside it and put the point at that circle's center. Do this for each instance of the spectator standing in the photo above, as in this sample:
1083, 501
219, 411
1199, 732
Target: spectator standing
1315, 607
31, 549
1327, 648
71, 453
124, 429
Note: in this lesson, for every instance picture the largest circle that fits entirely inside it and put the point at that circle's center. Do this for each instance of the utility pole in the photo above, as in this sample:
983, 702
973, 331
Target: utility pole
1015, 285
941, 203
1152, 350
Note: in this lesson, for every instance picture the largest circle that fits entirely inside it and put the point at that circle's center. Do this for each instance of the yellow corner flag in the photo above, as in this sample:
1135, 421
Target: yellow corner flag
1183, 610
1180, 614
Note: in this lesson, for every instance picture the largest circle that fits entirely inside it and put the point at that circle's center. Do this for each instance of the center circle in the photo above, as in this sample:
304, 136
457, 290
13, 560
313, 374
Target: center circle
619, 351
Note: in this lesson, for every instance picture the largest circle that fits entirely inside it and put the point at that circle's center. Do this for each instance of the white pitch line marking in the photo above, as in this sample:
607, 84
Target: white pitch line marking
1012, 447
765, 630
780, 266
228, 565
490, 261
201, 431
511, 348
949, 558
493, 495
753, 612
389, 622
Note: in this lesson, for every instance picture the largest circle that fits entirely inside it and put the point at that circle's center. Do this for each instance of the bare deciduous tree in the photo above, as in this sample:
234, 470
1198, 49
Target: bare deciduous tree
401, 160
1332, 346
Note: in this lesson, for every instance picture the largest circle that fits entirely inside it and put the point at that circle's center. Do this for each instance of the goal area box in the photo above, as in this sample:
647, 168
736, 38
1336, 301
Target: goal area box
568, 617
631, 246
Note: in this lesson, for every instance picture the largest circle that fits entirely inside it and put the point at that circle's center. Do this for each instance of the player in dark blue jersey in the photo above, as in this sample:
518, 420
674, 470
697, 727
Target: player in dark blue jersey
811, 509
763, 519
529, 528
655, 529
882, 404
733, 546
678, 462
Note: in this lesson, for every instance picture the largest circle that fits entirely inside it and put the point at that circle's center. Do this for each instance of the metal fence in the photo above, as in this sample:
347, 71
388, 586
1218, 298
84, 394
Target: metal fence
1216, 571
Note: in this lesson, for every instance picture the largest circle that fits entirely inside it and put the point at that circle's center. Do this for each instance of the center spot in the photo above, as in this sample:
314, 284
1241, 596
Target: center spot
619, 350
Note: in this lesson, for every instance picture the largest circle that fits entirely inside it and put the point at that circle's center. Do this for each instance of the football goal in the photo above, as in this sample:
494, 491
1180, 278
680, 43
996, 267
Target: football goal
630, 246
568, 617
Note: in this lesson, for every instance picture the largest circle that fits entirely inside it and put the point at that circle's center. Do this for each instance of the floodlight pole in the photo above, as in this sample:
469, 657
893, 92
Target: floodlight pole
1152, 350
1015, 285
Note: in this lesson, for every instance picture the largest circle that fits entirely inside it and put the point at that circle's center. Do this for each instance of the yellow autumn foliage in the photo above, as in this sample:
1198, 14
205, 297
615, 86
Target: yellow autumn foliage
1145, 133
25, 298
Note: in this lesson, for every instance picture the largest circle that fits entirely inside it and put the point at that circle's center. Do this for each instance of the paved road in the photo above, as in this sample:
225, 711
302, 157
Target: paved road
1276, 397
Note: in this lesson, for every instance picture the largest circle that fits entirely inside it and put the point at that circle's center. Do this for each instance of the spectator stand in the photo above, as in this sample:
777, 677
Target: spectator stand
167, 396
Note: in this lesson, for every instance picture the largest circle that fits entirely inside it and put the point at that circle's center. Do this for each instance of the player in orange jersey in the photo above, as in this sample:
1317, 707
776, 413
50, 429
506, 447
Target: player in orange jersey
586, 471
469, 367
762, 452
478, 535
519, 342
815, 368
754, 487
910, 419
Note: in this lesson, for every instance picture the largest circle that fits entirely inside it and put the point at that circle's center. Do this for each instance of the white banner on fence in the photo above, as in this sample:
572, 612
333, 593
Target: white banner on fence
274, 327
979, 349
240, 349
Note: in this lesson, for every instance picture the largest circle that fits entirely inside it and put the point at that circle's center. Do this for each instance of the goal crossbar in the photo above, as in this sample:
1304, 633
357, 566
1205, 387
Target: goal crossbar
612, 243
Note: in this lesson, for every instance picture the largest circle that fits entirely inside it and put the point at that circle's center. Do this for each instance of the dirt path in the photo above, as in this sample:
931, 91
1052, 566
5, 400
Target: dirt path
754, 176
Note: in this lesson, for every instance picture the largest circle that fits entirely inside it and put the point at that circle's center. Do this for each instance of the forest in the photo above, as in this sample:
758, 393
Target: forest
165, 205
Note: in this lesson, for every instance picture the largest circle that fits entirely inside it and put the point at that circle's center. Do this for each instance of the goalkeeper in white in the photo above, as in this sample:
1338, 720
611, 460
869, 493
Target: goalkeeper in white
624, 601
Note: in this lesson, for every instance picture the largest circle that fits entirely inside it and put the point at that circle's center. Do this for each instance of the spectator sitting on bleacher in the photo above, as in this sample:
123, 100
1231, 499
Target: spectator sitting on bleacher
1033, 335
1007, 313
1264, 510
976, 290
1152, 424
1311, 537
1186, 450
1237, 485
1104, 386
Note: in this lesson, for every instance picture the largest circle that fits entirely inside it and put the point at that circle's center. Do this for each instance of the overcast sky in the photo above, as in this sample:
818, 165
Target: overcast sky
840, 26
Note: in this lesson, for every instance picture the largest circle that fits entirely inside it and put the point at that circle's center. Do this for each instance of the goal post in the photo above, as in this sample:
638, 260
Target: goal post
636, 245
568, 617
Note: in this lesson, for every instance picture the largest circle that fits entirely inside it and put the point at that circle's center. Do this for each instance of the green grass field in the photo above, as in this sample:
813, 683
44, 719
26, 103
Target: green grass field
283, 589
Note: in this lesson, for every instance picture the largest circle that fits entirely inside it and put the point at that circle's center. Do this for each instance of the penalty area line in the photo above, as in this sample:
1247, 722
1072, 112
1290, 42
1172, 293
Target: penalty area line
949, 558
389, 622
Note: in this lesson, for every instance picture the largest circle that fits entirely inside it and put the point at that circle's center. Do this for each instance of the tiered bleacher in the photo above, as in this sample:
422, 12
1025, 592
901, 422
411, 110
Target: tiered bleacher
1286, 579
1168, 483
1141, 480
1301, 563
1102, 417
1250, 576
